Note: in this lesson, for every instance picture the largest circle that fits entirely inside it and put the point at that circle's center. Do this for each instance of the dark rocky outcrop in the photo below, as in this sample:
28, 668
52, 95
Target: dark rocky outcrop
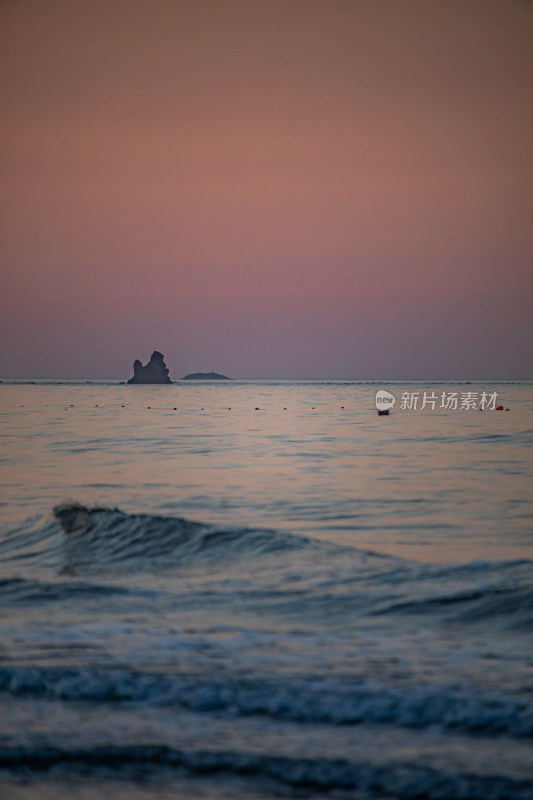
206, 376
154, 372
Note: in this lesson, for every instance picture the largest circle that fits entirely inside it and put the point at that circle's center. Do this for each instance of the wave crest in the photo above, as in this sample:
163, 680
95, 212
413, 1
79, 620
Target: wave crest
116, 539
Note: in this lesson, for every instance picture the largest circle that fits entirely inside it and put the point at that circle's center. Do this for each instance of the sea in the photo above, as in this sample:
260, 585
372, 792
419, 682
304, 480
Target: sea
264, 589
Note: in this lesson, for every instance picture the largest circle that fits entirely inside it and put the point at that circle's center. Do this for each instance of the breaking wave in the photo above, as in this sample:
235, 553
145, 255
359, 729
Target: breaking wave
475, 712
401, 780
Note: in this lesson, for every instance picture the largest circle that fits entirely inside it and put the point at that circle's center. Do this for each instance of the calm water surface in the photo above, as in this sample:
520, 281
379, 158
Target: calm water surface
287, 596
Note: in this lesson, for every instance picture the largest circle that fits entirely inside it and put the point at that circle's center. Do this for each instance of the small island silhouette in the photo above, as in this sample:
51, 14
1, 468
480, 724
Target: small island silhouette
206, 376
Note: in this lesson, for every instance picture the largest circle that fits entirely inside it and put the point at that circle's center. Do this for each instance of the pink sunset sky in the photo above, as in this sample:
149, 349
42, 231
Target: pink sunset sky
267, 188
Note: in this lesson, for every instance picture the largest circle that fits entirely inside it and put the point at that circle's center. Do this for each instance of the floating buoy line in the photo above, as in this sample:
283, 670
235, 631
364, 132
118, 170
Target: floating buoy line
381, 412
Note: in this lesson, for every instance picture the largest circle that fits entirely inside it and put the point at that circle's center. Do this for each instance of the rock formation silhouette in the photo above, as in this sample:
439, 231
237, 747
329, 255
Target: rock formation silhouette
154, 372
